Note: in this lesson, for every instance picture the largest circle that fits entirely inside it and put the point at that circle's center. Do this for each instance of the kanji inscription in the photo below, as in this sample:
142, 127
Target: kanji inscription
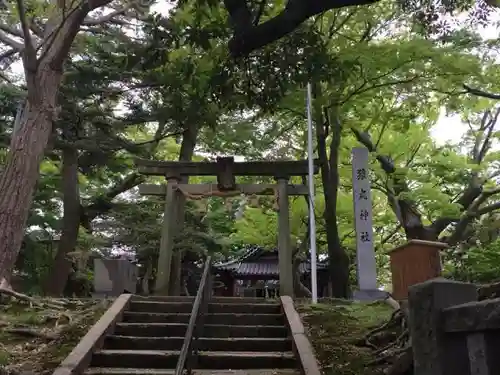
365, 254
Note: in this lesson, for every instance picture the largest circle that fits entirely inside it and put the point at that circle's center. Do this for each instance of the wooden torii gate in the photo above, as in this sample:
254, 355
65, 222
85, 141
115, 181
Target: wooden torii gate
225, 169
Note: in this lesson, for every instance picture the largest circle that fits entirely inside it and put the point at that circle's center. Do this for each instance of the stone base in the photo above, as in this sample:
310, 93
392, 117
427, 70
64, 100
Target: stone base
102, 295
369, 295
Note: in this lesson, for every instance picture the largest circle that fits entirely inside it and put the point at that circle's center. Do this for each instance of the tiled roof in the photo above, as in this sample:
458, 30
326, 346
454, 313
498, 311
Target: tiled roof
257, 269
251, 265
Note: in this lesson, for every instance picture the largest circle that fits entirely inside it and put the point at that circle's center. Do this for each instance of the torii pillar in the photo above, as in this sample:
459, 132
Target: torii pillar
284, 250
169, 229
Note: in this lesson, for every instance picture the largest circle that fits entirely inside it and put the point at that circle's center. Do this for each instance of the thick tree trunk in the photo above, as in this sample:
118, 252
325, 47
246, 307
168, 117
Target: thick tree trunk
337, 258
32, 131
18, 179
57, 279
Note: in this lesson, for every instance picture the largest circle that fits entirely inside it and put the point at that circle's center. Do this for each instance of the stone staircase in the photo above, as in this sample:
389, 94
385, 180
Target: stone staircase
240, 335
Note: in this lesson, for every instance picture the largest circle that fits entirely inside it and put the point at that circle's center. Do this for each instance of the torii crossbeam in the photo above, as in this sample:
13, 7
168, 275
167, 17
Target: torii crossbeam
226, 170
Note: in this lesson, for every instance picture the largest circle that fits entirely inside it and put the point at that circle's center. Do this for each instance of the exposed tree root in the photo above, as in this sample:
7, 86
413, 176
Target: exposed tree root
29, 332
39, 332
6, 291
390, 343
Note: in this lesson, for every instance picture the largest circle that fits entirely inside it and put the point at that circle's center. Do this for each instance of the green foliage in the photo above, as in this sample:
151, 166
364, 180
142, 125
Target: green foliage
137, 92
478, 264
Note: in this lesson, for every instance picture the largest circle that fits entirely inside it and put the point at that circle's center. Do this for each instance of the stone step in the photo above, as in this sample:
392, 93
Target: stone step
250, 319
234, 344
158, 359
215, 299
152, 371
213, 308
209, 330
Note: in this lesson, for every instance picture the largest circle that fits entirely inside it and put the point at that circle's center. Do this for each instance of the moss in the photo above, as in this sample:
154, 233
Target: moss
4, 357
21, 353
335, 329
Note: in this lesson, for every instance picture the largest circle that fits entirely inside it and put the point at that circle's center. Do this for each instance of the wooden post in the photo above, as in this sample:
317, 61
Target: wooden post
225, 177
284, 251
167, 239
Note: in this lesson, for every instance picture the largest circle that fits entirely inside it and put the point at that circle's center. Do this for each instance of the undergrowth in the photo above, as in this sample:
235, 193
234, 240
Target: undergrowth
337, 328
36, 335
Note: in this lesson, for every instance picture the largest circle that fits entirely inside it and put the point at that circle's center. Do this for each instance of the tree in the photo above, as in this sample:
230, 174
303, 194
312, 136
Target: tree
473, 194
250, 34
46, 42
179, 93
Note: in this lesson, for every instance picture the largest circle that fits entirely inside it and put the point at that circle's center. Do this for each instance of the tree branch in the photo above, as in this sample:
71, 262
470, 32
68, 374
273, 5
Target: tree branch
480, 93
4, 38
474, 191
89, 21
29, 54
248, 37
102, 203
473, 212
11, 30
94, 4
488, 209
390, 235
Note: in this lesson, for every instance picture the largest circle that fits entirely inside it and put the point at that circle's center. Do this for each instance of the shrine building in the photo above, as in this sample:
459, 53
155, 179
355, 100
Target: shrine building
256, 274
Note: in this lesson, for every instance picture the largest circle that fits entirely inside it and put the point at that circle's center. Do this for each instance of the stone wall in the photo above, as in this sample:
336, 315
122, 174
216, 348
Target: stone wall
113, 277
452, 332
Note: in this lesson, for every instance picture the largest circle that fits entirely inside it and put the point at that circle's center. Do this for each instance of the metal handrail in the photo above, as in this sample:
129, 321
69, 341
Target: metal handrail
189, 350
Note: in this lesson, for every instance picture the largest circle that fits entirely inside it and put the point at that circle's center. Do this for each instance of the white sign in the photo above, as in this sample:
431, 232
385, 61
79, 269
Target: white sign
365, 255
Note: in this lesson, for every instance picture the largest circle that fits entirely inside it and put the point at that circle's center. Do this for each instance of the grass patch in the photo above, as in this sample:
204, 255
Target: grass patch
335, 329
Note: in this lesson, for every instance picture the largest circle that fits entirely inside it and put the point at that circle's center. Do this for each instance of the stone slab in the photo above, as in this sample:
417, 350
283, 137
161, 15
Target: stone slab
301, 344
220, 344
149, 371
433, 352
472, 316
205, 360
112, 277
370, 295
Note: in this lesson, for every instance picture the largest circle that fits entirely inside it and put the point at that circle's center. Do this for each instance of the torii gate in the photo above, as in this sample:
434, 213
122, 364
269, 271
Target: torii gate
225, 169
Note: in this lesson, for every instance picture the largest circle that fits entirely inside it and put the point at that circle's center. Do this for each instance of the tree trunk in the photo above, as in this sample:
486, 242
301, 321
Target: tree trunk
32, 131
56, 281
337, 258
299, 289
18, 179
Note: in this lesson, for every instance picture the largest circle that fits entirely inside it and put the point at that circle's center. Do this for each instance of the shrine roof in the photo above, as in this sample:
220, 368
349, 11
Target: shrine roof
260, 261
